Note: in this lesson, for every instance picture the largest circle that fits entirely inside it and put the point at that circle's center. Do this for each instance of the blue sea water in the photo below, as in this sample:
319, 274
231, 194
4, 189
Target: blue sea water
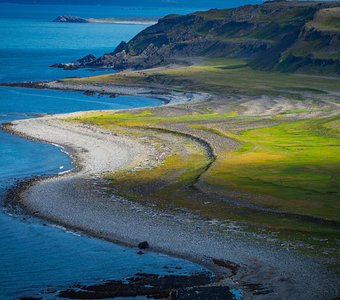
35, 255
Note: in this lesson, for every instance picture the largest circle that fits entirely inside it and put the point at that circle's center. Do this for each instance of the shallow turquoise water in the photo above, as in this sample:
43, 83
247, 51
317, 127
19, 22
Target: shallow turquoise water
35, 255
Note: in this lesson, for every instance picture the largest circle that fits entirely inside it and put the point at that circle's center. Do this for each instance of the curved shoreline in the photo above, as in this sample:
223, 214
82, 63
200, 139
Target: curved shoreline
167, 96
79, 201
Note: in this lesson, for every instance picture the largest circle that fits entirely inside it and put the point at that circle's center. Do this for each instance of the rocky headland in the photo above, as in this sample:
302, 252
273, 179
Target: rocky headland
278, 35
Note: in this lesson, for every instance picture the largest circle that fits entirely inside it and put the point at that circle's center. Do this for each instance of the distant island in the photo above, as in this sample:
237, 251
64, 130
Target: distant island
76, 19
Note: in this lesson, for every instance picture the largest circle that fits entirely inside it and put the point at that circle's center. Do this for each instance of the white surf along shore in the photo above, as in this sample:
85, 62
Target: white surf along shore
79, 201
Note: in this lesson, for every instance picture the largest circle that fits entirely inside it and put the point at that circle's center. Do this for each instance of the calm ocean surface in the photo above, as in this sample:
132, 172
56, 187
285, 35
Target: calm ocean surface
34, 255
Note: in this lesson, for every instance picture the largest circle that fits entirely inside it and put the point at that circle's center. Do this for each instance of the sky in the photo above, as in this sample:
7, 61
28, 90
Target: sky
174, 3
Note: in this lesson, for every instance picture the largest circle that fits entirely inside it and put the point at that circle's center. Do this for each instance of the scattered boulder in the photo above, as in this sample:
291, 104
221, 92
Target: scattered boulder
143, 245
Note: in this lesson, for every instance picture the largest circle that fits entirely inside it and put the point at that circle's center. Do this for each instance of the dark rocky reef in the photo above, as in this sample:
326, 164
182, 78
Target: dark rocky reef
70, 19
277, 35
195, 286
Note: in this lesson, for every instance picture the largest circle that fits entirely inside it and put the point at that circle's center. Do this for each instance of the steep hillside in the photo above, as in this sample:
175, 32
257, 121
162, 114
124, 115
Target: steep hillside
288, 36
318, 45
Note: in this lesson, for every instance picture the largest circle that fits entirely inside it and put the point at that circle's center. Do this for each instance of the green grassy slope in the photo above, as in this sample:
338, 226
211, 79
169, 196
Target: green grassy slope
292, 168
227, 76
286, 36
283, 179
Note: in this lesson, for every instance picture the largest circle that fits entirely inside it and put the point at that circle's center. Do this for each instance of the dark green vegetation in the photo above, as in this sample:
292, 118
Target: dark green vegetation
283, 35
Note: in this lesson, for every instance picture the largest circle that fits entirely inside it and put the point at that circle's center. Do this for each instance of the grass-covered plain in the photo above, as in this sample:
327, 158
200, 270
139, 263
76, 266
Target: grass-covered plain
291, 168
297, 164
274, 170
224, 76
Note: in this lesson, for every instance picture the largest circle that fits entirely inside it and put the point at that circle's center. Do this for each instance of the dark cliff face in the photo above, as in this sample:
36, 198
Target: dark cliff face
274, 35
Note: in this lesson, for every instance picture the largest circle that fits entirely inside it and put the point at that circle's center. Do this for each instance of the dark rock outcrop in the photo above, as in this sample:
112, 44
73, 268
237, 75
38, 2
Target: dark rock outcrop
143, 245
202, 293
148, 285
82, 62
86, 59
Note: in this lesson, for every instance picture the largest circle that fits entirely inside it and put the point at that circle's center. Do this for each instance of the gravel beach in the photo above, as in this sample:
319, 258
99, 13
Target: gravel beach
80, 201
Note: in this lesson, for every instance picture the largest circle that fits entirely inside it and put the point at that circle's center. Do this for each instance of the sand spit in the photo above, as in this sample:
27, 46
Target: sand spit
78, 200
